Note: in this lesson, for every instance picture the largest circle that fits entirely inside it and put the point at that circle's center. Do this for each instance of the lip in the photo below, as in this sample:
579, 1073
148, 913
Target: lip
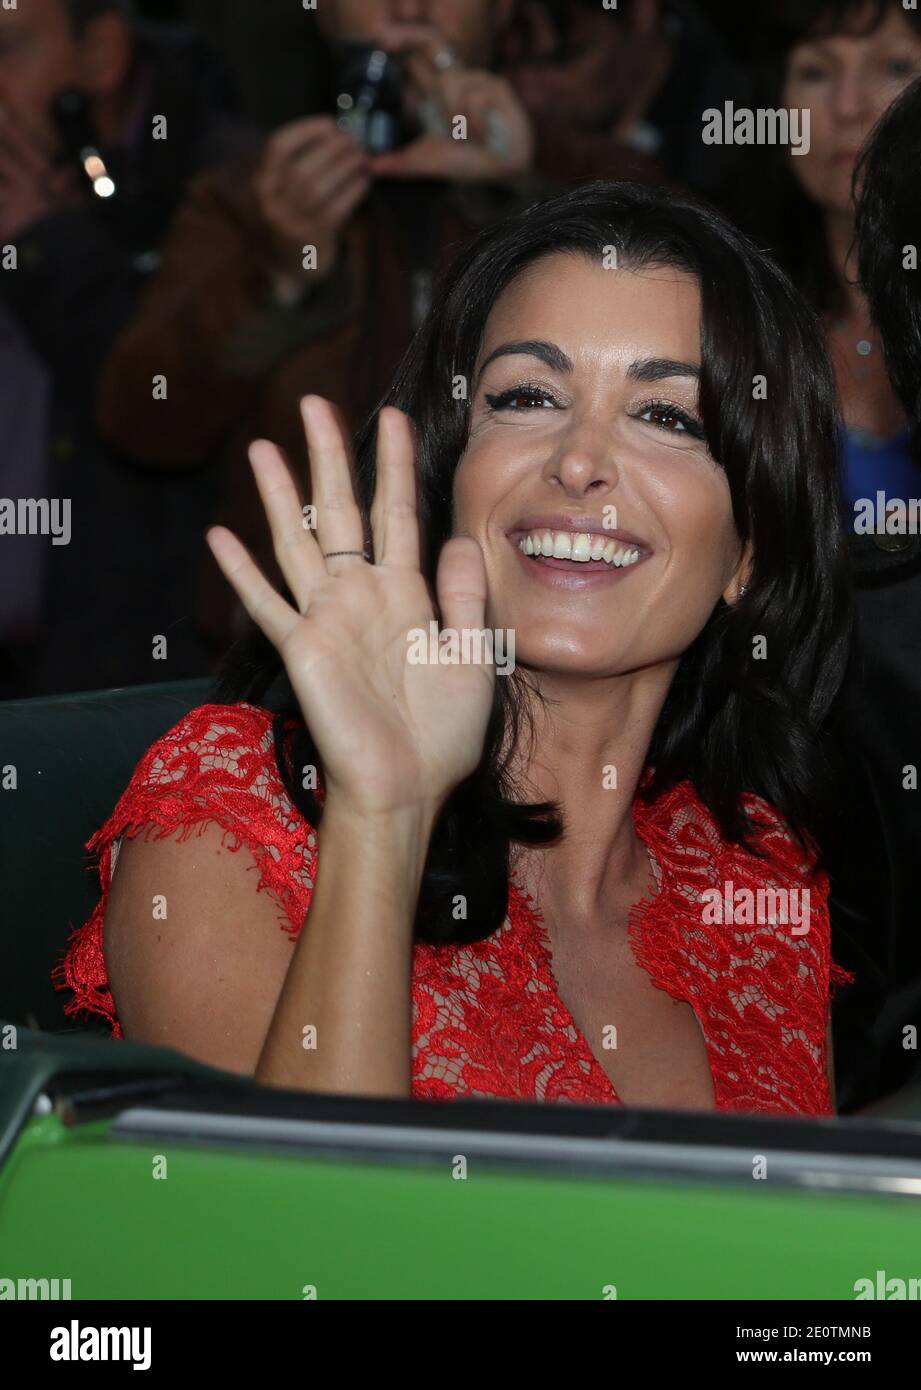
577, 575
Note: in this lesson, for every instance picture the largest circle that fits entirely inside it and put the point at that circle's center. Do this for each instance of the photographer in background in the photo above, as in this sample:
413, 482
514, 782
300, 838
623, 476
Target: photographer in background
83, 250
309, 269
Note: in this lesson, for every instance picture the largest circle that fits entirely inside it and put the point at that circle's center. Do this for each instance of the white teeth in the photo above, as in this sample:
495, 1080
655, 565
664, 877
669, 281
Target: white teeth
580, 546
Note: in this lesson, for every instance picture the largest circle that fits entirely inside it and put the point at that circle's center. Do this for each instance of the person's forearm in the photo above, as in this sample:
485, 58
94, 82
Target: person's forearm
349, 980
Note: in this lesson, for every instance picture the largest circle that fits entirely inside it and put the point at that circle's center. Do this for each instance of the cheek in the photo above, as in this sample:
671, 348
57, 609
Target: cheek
699, 523
481, 479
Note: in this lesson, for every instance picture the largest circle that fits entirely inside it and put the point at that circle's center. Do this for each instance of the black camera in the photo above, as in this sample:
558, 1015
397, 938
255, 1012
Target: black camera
370, 97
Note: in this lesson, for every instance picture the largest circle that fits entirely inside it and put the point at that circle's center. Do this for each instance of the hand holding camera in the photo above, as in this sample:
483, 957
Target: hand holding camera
472, 125
311, 178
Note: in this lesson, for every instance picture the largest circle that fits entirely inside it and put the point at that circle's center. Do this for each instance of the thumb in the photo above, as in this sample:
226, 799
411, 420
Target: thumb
460, 584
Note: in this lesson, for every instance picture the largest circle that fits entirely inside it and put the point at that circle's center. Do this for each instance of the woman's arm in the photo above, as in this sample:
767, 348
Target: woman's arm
350, 976
394, 737
219, 980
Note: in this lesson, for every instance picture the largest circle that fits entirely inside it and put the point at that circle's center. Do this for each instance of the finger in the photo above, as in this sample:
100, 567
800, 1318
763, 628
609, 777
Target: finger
312, 182
436, 156
20, 143
316, 161
344, 203
394, 511
326, 140
427, 54
339, 521
297, 135
296, 550
460, 583
426, 157
268, 610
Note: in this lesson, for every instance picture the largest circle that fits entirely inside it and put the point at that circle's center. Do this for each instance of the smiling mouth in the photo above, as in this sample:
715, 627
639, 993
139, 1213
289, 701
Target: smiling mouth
582, 552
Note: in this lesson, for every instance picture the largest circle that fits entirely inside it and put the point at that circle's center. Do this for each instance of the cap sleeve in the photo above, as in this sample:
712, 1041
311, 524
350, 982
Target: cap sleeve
217, 765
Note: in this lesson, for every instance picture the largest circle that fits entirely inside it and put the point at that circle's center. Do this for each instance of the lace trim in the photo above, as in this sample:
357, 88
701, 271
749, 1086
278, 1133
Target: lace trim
487, 1018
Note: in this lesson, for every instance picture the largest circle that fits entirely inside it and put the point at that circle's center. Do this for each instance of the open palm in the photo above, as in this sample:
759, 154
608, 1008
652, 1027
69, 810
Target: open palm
390, 733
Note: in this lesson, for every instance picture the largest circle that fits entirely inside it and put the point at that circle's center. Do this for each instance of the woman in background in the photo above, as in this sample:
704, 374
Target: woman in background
845, 61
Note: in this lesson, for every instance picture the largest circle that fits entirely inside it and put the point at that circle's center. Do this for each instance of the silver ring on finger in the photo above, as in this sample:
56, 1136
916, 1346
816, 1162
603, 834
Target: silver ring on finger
332, 554
445, 58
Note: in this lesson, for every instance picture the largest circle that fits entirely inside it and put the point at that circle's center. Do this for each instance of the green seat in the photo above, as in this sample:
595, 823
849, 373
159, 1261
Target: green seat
73, 756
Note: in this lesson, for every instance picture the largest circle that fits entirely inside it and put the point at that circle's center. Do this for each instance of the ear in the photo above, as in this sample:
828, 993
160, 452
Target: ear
741, 576
106, 51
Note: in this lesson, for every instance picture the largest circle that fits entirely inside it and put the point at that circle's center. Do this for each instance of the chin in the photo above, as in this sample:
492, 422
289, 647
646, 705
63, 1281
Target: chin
550, 658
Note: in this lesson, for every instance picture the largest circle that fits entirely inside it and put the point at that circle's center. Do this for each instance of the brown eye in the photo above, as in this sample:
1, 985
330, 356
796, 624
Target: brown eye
671, 418
521, 398
665, 419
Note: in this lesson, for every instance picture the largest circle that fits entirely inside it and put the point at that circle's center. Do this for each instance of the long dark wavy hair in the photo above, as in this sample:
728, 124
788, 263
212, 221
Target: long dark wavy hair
730, 723
766, 198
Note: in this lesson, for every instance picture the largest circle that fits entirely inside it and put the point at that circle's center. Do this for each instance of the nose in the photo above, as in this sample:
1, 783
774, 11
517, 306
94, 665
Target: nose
584, 462
851, 95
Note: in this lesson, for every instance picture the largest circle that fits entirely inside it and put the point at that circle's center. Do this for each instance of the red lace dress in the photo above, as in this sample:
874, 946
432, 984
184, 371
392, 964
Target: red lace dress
487, 1018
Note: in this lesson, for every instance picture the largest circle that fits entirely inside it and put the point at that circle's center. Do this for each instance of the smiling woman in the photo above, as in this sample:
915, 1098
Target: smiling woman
517, 874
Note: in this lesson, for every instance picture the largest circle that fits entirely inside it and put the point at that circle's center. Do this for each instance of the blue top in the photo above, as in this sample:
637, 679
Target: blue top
869, 464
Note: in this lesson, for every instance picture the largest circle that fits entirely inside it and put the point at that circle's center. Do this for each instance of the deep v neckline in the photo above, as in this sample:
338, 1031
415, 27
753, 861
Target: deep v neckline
638, 917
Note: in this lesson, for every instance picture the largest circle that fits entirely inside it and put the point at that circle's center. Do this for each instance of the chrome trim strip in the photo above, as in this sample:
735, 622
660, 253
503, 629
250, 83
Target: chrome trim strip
533, 1153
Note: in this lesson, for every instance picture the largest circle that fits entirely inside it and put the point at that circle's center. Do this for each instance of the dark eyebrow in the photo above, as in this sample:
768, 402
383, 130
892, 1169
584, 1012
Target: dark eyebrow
659, 368
548, 353
645, 369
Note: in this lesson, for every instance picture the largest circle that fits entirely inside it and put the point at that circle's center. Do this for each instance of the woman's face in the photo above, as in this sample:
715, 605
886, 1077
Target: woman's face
847, 82
584, 420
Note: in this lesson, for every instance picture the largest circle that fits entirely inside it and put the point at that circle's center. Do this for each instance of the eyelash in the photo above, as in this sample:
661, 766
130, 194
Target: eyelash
692, 425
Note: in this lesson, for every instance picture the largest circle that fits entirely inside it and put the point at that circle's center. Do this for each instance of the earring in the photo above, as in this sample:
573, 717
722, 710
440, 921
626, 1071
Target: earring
743, 590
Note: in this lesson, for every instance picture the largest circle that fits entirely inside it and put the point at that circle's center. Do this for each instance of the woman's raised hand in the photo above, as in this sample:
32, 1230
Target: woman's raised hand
391, 733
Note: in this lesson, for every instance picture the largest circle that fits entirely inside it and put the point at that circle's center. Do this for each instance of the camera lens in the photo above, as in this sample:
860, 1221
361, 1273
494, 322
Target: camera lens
370, 98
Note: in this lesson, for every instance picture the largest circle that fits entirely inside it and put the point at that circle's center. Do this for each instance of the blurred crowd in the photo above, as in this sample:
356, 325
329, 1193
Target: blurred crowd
210, 207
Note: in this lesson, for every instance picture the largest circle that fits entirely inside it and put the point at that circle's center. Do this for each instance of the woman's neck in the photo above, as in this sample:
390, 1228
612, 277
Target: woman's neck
588, 753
